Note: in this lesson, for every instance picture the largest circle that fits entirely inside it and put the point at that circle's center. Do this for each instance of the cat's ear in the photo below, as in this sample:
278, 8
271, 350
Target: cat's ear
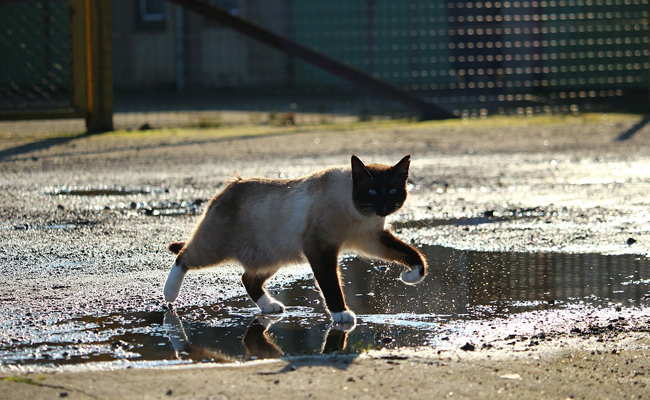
359, 170
401, 169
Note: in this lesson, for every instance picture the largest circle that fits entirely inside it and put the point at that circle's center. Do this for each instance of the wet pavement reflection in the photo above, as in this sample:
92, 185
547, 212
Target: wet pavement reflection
461, 286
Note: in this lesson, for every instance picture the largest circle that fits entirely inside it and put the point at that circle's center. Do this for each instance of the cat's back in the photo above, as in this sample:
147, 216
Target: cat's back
274, 208
269, 192
272, 216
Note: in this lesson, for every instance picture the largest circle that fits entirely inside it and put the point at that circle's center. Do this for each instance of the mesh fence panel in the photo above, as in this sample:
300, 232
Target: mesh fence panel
461, 53
173, 67
35, 61
469, 56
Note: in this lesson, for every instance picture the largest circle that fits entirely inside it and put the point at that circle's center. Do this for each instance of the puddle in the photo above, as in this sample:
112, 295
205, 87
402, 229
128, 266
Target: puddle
462, 286
61, 225
159, 208
168, 208
488, 217
28, 226
103, 190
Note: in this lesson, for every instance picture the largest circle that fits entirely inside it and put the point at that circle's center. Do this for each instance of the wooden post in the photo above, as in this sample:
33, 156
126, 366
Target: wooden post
99, 68
78, 54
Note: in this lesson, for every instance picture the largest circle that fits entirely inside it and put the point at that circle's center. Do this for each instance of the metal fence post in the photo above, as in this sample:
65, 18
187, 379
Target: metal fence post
371, 84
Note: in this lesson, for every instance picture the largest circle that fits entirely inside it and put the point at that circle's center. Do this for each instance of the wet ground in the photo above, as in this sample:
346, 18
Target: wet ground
539, 233
462, 286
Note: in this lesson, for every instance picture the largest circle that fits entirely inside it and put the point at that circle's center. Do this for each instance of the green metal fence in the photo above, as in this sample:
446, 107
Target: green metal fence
172, 66
447, 45
404, 43
36, 55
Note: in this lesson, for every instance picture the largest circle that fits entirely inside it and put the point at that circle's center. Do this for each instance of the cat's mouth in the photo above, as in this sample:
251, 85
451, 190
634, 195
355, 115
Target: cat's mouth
384, 211
381, 211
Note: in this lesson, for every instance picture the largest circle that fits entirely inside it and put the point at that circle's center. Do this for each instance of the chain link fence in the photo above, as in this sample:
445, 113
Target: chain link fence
35, 56
174, 67
472, 57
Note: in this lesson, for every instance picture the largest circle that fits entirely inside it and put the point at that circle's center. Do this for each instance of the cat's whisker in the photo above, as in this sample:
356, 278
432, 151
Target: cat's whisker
367, 212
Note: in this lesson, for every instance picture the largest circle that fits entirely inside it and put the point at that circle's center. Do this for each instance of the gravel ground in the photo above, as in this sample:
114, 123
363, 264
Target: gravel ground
561, 184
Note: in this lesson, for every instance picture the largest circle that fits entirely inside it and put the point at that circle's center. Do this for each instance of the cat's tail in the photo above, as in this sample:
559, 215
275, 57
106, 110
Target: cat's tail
176, 247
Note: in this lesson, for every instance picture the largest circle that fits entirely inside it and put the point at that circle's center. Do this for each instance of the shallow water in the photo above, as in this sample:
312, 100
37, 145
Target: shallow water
148, 208
461, 286
102, 190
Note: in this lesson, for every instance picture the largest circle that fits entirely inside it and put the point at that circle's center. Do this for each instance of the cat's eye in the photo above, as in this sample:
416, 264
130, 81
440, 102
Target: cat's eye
392, 191
372, 192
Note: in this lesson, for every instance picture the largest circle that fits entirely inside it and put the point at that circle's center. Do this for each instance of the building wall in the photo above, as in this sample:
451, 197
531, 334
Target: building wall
216, 55
268, 66
144, 53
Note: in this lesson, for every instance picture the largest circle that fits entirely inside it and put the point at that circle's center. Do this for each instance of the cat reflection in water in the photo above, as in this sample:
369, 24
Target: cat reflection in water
264, 224
257, 343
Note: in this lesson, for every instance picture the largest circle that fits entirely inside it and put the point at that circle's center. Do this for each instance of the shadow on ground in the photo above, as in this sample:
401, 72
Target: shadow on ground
629, 134
40, 145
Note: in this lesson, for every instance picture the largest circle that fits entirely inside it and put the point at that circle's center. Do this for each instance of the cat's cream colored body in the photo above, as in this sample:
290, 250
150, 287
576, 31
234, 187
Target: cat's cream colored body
273, 218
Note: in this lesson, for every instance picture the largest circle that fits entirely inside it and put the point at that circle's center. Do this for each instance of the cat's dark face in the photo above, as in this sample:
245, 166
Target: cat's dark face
379, 189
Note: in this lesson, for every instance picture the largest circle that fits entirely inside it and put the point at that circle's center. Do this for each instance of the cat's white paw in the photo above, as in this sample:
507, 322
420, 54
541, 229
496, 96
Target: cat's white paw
269, 305
413, 276
174, 282
344, 317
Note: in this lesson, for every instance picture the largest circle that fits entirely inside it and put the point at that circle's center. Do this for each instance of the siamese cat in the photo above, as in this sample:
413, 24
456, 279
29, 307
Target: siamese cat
264, 224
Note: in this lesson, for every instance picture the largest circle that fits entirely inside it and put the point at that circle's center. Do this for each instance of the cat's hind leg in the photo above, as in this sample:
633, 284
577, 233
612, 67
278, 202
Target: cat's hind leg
254, 284
194, 254
174, 281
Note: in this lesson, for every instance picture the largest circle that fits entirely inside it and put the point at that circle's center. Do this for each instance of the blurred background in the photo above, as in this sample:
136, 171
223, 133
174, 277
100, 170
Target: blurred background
124, 64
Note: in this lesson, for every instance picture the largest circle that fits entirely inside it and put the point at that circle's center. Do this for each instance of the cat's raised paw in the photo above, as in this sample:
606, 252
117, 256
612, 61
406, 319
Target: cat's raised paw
414, 276
344, 317
269, 305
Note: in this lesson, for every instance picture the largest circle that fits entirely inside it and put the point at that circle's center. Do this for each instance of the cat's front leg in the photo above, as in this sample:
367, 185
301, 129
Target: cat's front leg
393, 249
269, 305
254, 284
344, 317
323, 259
